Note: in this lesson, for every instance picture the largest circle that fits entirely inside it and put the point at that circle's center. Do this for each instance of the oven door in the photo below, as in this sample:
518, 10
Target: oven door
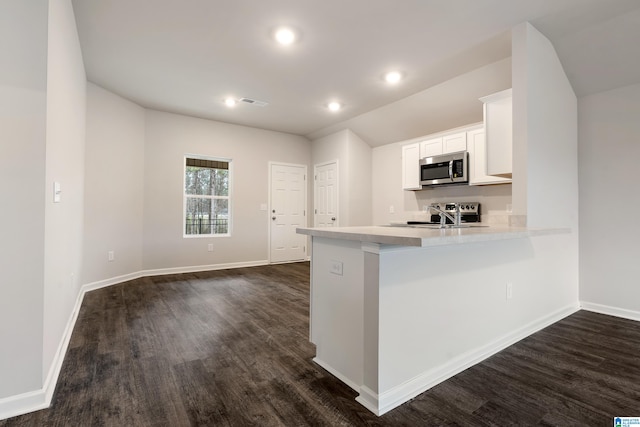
446, 169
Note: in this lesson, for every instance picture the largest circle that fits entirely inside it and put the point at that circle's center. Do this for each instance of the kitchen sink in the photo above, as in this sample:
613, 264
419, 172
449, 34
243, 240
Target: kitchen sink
438, 226
435, 226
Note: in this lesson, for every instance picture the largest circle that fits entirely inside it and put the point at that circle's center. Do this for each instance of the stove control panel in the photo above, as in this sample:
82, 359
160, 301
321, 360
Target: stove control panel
465, 207
469, 211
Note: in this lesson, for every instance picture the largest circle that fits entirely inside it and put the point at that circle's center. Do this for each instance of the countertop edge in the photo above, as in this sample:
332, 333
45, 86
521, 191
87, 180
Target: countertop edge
432, 237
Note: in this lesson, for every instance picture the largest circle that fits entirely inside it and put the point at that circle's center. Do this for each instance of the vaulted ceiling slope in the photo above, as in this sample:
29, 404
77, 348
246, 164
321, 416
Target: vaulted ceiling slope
186, 56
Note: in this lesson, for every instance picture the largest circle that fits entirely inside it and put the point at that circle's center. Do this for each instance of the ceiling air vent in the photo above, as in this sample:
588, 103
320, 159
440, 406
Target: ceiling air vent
254, 102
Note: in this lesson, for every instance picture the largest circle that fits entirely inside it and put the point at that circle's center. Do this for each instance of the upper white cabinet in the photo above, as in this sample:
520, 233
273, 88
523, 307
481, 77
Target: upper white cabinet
443, 144
454, 142
498, 133
478, 160
431, 147
411, 167
469, 138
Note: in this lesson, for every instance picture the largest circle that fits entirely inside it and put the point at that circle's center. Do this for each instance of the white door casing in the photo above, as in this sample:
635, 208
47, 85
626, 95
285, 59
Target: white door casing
287, 212
325, 192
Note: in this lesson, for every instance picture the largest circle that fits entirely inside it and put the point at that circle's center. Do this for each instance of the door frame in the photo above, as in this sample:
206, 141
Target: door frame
315, 173
269, 208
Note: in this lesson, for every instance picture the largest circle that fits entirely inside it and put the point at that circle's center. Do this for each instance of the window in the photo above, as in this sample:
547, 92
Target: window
207, 185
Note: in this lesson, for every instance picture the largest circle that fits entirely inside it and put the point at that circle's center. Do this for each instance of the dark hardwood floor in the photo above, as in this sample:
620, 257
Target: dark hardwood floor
230, 348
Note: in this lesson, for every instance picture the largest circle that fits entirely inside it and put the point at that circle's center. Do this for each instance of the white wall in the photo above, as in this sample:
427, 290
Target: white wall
359, 181
454, 310
168, 138
545, 132
66, 107
354, 172
134, 179
609, 130
431, 312
23, 80
446, 105
114, 190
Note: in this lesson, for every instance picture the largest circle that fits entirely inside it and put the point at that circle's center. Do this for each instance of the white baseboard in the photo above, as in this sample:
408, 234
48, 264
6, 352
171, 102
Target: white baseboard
111, 281
611, 311
402, 393
337, 374
19, 404
36, 400
197, 268
369, 399
56, 364
13, 406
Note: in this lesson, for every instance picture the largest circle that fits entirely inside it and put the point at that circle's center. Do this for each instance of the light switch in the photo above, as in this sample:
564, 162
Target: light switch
263, 207
56, 192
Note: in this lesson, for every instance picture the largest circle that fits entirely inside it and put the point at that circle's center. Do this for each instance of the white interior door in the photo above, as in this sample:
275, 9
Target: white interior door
326, 195
288, 211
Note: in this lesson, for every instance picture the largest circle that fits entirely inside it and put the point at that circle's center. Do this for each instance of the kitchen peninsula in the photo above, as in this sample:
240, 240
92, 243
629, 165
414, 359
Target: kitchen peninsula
397, 310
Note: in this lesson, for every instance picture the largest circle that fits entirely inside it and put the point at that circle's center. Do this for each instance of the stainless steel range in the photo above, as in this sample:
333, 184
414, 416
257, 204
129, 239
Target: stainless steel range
466, 211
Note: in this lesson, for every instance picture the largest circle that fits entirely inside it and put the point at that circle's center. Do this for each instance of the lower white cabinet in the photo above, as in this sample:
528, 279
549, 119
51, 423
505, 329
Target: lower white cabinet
411, 167
476, 146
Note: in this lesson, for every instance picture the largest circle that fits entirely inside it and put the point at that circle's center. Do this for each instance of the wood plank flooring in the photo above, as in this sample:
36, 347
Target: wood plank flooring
230, 348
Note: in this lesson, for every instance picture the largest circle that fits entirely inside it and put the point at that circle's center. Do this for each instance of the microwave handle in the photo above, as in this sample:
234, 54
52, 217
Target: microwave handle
451, 170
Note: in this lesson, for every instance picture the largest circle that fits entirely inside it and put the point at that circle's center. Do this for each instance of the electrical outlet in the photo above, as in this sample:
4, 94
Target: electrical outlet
336, 267
509, 290
392, 209
210, 247
56, 192
111, 256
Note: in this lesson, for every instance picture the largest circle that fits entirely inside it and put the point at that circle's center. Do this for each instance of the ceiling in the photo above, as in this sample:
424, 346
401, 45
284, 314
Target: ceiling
187, 56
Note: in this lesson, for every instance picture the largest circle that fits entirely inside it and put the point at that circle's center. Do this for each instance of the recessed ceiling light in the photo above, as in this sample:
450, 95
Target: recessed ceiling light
393, 77
334, 106
285, 36
230, 102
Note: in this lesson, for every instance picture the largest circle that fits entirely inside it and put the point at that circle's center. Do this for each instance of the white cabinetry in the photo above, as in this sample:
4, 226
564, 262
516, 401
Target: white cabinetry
454, 142
431, 147
478, 160
443, 144
498, 132
470, 138
411, 167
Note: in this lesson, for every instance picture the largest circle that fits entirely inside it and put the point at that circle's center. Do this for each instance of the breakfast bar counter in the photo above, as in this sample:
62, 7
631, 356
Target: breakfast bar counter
421, 236
397, 310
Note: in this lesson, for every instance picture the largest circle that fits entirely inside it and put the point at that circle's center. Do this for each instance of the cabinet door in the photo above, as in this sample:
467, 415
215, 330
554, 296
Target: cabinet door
478, 160
411, 167
498, 128
431, 147
455, 142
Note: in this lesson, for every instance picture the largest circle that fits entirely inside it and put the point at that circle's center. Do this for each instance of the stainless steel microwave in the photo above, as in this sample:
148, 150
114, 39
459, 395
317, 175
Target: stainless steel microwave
445, 169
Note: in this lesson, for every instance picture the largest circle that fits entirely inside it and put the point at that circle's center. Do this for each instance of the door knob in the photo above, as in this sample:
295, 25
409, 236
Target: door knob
273, 218
333, 219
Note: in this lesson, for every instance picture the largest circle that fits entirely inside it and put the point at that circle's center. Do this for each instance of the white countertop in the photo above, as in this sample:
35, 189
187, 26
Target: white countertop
421, 237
